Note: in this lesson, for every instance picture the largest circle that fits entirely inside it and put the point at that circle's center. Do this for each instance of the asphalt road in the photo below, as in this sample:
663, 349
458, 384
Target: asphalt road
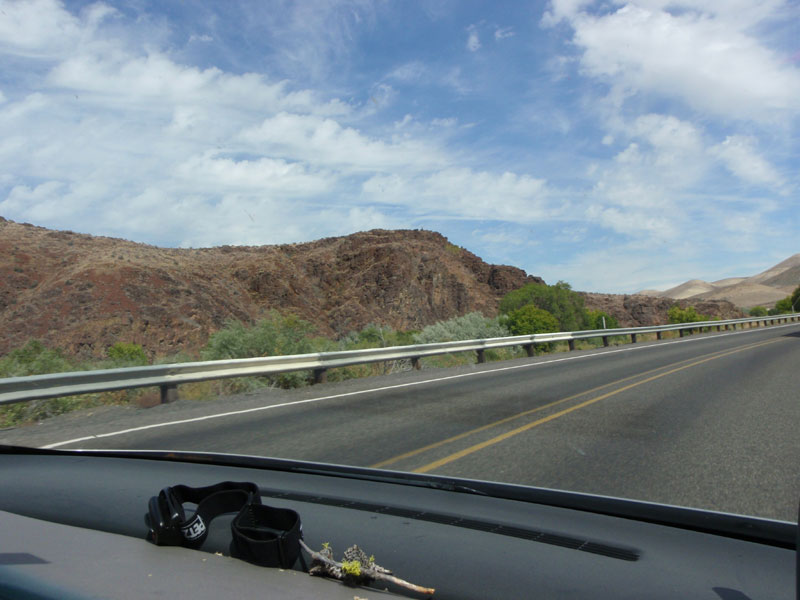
706, 421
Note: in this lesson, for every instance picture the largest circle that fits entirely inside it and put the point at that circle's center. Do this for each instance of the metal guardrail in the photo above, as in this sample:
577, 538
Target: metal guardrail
168, 377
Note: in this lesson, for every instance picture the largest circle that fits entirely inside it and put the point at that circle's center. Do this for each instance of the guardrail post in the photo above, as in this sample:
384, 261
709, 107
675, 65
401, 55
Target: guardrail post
633, 338
415, 364
320, 376
481, 355
571, 344
680, 331
169, 393
658, 335
529, 350
605, 341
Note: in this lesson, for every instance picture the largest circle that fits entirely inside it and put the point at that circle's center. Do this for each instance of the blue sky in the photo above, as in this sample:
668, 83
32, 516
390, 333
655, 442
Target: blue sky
615, 145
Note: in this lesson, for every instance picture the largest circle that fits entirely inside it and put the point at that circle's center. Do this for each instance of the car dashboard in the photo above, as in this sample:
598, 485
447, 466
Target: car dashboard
72, 525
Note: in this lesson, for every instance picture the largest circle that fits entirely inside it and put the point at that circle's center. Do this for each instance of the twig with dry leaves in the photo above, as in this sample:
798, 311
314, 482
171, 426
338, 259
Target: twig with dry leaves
356, 568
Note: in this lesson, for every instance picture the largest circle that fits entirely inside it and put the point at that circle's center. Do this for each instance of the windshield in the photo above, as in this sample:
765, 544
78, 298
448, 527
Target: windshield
188, 183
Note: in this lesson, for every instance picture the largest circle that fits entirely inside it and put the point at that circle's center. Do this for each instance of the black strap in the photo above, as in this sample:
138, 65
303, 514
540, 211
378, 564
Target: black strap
261, 534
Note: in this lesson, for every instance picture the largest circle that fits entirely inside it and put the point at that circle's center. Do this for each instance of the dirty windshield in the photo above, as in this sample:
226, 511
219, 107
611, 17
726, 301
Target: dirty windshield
544, 243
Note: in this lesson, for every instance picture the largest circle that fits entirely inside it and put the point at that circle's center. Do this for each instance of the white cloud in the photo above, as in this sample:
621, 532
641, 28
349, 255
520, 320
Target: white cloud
628, 266
560, 10
502, 238
37, 28
677, 148
738, 153
709, 60
638, 194
461, 193
501, 33
324, 141
409, 72
448, 122
473, 41
264, 176
310, 39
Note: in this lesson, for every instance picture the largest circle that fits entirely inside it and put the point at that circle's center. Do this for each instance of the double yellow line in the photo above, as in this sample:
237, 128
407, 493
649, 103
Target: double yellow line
504, 436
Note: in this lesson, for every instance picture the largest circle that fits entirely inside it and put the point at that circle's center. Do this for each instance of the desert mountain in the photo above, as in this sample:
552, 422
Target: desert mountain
84, 293
764, 289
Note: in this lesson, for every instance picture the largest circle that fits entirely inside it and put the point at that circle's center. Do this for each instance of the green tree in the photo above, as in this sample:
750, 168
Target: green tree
795, 300
758, 311
529, 320
566, 305
782, 306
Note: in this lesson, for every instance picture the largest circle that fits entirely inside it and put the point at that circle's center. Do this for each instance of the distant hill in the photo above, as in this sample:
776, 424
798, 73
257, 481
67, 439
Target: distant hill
763, 289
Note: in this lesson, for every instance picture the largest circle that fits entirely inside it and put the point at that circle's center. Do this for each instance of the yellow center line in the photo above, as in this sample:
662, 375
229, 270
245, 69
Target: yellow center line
475, 448
455, 438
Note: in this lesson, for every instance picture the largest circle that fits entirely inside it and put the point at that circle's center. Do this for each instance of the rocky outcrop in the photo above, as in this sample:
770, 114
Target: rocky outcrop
640, 311
84, 293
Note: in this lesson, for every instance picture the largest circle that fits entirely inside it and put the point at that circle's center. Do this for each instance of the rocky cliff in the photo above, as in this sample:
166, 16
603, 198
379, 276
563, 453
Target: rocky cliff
84, 293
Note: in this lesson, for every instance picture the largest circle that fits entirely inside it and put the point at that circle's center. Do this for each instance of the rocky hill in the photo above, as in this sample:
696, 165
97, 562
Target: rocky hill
84, 293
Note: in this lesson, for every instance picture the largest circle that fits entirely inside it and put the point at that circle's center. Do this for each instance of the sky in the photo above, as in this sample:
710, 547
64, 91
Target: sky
614, 145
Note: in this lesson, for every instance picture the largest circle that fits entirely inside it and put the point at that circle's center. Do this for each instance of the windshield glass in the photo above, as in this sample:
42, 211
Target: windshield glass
188, 183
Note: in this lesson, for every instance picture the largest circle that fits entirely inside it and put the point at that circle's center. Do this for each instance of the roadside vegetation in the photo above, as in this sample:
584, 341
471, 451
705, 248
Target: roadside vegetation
534, 308
676, 314
787, 305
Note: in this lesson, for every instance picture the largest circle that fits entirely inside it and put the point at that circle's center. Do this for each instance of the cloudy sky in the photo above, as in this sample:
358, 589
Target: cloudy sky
615, 145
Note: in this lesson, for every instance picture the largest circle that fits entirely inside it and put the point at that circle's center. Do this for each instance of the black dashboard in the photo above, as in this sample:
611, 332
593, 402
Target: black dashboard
72, 526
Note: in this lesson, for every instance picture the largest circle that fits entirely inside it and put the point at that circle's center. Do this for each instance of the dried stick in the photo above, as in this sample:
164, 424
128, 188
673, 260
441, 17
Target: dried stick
369, 572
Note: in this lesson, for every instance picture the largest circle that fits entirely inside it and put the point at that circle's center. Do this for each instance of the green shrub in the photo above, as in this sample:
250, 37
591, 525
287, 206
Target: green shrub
595, 320
375, 336
677, 314
559, 300
124, 354
529, 320
277, 335
34, 359
473, 326
758, 311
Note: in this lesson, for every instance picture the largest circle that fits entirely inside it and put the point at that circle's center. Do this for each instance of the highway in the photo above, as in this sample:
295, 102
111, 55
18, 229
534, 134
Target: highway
708, 421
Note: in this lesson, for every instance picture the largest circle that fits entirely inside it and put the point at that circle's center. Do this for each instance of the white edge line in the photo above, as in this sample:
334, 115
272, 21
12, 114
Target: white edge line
628, 348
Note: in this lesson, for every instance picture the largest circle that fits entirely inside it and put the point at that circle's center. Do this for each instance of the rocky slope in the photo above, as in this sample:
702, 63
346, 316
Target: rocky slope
84, 293
639, 310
